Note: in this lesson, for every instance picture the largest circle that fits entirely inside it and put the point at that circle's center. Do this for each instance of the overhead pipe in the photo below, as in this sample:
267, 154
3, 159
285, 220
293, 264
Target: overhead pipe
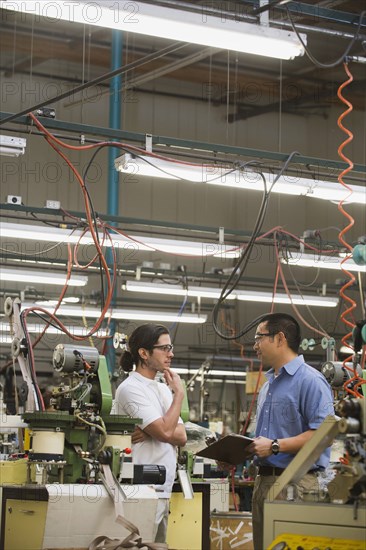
115, 103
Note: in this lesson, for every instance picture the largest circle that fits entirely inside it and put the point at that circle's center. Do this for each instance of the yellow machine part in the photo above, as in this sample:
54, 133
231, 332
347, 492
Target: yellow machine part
305, 542
27, 439
24, 524
185, 522
13, 472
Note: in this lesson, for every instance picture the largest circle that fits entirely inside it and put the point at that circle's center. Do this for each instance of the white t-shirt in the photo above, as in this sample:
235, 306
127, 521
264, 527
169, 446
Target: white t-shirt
140, 397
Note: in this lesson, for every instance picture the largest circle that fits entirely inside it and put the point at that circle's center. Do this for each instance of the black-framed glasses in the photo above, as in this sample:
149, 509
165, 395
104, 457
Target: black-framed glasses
258, 337
167, 348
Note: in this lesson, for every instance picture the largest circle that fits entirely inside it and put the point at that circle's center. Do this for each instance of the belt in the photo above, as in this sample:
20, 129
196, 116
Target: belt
272, 471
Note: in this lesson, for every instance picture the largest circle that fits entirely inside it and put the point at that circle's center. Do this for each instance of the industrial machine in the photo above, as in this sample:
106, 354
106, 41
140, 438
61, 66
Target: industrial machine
70, 444
340, 510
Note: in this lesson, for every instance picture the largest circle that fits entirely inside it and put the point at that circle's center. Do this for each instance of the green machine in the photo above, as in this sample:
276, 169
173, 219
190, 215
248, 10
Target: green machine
77, 431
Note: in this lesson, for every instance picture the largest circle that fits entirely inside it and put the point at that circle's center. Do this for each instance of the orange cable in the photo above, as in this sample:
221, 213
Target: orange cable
275, 288
49, 139
341, 237
62, 294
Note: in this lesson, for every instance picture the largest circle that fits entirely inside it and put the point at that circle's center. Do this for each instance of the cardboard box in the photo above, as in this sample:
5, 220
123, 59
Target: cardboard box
231, 530
251, 381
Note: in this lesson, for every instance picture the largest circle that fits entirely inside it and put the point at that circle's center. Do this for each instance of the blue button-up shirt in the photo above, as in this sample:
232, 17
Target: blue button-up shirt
297, 400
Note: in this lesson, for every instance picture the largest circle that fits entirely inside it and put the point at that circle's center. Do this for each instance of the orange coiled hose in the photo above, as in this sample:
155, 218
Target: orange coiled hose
351, 279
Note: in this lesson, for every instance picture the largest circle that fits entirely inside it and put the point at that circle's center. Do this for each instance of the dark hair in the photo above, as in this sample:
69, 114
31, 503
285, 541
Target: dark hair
282, 322
144, 336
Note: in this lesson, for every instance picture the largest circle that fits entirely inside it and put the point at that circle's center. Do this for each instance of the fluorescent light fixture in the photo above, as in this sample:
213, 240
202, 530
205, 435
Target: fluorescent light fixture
172, 290
346, 349
31, 277
170, 23
12, 146
305, 300
38, 328
135, 243
323, 262
243, 295
52, 303
215, 174
127, 314
214, 372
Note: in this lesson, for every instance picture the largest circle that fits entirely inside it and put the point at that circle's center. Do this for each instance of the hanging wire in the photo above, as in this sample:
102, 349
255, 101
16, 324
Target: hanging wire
348, 313
243, 261
311, 56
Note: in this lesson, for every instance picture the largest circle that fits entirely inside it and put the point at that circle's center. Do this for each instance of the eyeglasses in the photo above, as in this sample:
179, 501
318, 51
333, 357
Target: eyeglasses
258, 337
167, 348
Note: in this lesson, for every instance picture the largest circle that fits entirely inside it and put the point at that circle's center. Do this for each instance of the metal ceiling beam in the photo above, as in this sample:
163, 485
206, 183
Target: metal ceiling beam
335, 16
125, 220
242, 10
140, 138
315, 10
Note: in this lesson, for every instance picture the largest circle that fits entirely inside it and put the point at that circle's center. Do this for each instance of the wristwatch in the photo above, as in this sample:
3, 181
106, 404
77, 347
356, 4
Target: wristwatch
275, 447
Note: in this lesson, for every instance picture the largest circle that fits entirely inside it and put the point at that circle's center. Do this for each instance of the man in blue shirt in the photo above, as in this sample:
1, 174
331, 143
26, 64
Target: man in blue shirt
292, 403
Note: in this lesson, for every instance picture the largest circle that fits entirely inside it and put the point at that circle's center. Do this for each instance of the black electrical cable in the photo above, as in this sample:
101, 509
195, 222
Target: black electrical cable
318, 63
30, 361
95, 220
337, 315
244, 259
107, 76
304, 285
237, 166
306, 306
271, 4
47, 322
236, 273
46, 222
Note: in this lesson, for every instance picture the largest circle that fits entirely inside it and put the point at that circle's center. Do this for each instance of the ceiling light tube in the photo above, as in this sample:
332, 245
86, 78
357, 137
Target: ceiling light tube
227, 376
214, 174
127, 314
53, 302
29, 276
170, 23
242, 295
280, 298
346, 349
38, 328
134, 244
173, 290
229, 373
11, 146
323, 262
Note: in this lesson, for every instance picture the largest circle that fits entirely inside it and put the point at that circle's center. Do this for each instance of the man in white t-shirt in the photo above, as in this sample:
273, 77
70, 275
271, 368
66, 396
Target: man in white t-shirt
158, 403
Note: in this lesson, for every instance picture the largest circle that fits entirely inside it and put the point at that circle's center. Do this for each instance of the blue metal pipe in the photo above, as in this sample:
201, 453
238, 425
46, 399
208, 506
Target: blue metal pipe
115, 104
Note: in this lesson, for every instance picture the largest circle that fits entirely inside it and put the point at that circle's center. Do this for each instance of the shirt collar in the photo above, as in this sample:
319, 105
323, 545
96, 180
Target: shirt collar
142, 379
290, 367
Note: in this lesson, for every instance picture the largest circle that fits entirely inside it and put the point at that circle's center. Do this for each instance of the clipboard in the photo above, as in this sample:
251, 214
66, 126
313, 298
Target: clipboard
231, 449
